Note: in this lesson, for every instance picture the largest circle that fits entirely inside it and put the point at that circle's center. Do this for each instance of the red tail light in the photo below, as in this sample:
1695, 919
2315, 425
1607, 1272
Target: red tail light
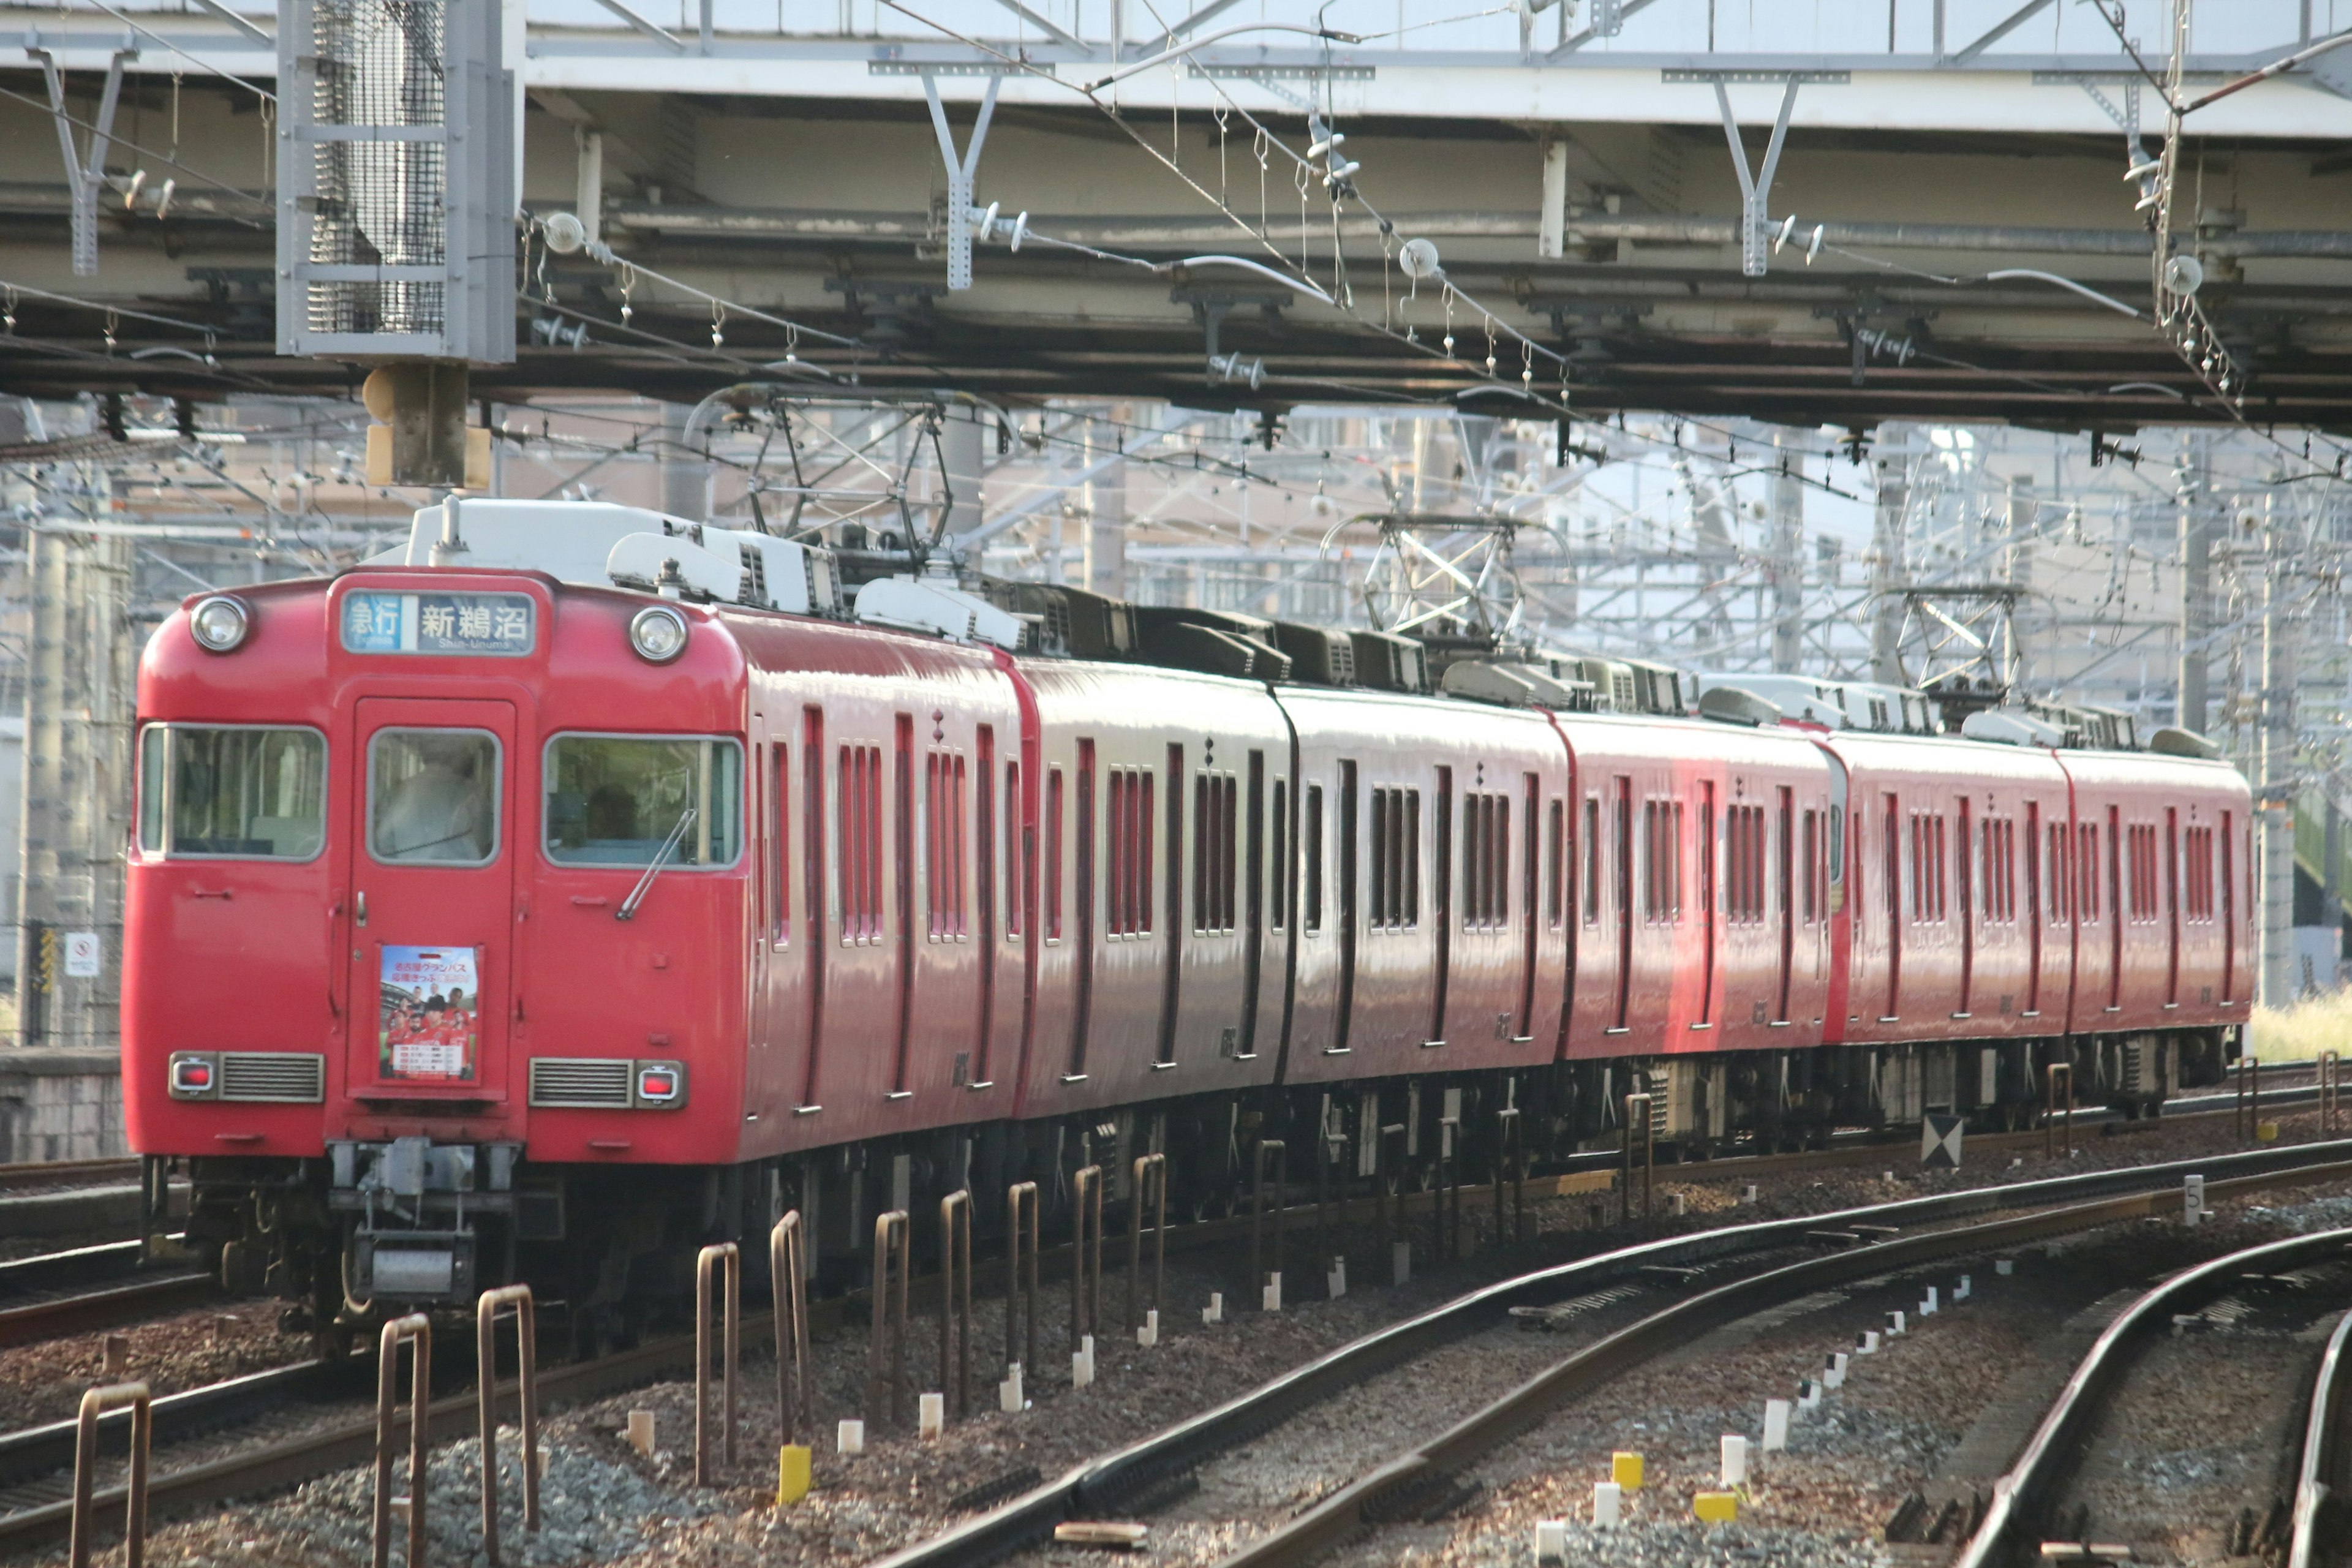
194, 1075
659, 1086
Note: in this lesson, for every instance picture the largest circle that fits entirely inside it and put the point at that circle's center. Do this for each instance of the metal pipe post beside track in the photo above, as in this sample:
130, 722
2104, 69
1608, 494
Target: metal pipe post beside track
486, 1345
1384, 1170
1086, 1255
416, 1330
1510, 1164
2060, 1111
2330, 1074
886, 1368
1637, 1105
788, 1284
724, 1257
96, 1403
1152, 1171
1269, 1152
955, 1300
2246, 1110
1021, 1277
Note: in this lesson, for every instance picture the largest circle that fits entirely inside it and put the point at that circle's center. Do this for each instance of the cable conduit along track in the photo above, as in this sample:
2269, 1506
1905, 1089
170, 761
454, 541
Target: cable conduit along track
1100, 1484
2009, 1536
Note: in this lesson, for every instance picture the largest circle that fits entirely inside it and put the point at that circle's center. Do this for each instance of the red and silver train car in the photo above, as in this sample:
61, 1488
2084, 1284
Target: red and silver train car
577, 886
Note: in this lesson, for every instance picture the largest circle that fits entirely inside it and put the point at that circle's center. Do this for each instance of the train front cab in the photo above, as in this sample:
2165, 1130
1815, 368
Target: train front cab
419, 1016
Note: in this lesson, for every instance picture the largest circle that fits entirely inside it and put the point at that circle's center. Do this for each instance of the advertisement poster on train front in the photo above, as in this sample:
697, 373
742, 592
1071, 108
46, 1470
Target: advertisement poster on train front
429, 1031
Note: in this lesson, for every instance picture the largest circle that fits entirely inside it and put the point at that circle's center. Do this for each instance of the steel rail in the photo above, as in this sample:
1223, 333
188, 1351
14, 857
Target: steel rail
104, 1308
2319, 1533
2022, 1498
61, 1172
1098, 1485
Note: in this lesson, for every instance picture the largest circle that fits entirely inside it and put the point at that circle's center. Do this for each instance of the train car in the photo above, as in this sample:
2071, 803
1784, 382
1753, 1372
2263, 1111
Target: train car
577, 885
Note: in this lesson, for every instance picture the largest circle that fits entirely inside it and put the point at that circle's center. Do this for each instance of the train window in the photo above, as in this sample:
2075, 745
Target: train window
1486, 861
235, 792
1128, 845
1395, 860
944, 847
2086, 866
1811, 839
2054, 874
1310, 838
1014, 867
1216, 818
1053, 853
2197, 847
616, 800
1555, 862
1277, 858
860, 841
2142, 856
1591, 859
432, 797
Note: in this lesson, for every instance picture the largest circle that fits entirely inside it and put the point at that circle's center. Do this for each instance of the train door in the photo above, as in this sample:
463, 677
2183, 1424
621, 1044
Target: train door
1531, 853
1082, 1014
2172, 906
1441, 881
1173, 950
1894, 910
1786, 850
1347, 847
1967, 869
433, 895
983, 858
1253, 894
814, 925
2229, 911
1624, 891
902, 841
2033, 909
1707, 853
2115, 910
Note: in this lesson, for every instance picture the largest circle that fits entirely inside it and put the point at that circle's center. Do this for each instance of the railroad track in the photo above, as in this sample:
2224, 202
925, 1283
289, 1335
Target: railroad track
2024, 1521
34, 1175
1102, 1487
32, 1463
107, 1307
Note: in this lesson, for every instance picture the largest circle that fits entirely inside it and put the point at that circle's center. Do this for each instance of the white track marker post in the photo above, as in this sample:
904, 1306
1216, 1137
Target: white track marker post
1734, 1460
1272, 1297
1776, 1424
850, 1436
2192, 1201
1960, 1291
1608, 1504
1009, 1397
1148, 1334
930, 1416
1552, 1541
1214, 1312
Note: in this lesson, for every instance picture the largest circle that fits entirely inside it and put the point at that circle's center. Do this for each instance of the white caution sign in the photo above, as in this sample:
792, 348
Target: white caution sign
1939, 1140
82, 954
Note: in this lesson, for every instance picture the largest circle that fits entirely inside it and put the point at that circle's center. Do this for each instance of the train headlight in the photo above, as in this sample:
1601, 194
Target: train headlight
220, 623
659, 1086
194, 1075
658, 635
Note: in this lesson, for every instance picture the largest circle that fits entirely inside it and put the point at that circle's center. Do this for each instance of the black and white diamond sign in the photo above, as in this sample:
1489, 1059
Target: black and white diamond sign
1939, 1140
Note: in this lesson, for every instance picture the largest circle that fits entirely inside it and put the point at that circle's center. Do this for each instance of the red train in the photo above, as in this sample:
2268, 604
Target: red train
577, 886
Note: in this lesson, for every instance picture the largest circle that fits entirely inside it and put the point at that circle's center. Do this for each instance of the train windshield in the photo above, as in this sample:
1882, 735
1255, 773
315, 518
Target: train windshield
432, 797
240, 792
615, 800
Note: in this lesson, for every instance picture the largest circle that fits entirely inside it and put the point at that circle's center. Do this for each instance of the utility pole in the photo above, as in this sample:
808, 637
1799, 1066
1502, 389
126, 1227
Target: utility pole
1106, 507
2283, 582
1886, 575
2024, 510
2196, 583
79, 696
1788, 503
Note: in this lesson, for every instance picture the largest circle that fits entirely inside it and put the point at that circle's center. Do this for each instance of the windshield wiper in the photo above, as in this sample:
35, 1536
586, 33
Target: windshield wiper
628, 909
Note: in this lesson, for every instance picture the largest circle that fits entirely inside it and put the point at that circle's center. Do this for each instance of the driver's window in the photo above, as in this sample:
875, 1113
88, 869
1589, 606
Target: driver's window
432, 797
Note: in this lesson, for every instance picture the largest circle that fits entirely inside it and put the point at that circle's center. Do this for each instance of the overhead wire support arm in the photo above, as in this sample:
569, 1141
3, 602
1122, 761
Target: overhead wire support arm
961, 169
85, 174
1755, 188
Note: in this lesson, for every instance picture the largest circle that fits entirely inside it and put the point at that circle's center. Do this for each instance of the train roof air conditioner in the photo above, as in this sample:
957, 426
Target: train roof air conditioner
2012, 728
921, 604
